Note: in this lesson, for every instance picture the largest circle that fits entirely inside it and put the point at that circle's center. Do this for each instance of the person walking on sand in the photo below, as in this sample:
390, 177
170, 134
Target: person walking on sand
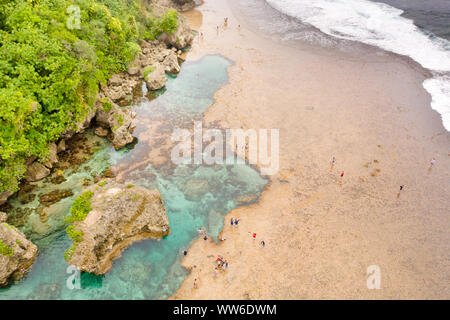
342, 174
432, 162
195, 284
263, 243
333, 162
401, 188
231, 221
236, 221
254, 236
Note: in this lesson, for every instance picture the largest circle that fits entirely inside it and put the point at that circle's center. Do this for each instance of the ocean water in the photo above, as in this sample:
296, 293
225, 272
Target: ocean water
414, 28
151, 269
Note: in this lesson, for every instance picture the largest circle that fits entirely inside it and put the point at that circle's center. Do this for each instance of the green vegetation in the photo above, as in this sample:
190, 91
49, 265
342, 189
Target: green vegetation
107, 105
80, 207
147, 71
50, 68
102, 183
130, 185
5, 249
77, 237
120, 120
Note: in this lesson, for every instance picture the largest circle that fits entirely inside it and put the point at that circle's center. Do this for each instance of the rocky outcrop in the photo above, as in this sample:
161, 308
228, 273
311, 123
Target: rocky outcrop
120, 215
120, 88
180, 38
170, 63
156, 79
109, 115
3, 217
17, 254
185, 5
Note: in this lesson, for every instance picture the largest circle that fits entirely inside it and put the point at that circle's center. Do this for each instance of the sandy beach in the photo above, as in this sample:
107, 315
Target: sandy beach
369, 110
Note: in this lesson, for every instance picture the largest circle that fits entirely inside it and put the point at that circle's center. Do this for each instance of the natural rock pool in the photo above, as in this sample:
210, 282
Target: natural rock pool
194, 196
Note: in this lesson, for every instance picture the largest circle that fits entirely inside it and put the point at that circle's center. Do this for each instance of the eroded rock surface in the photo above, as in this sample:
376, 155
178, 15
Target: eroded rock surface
17, 254
120, 215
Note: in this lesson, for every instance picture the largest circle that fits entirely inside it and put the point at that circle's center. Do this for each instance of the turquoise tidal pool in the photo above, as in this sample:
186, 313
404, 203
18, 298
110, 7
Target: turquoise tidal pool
195, 196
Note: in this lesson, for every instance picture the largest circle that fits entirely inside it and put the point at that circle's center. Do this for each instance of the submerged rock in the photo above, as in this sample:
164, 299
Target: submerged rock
246, 200
195, 189
120, 215
101, 132
17, 254
45, 291
54, 196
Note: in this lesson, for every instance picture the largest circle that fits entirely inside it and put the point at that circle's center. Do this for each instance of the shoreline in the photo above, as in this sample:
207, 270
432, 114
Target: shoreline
321, 236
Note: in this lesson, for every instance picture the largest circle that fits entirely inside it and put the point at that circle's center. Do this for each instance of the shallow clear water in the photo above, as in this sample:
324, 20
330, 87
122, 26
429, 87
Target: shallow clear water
151, 269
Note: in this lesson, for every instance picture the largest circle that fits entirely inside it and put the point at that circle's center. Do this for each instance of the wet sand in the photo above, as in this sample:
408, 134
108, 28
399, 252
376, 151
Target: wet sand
369, 110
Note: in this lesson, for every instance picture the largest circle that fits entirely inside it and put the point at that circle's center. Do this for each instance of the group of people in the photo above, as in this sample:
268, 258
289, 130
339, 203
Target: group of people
221, 263
432, 162
234, 222
225, 25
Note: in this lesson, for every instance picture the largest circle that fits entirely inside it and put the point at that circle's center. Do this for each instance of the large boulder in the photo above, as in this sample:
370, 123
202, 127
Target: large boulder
170, 63
156, 77
120, 215
4, 196
110, 115
120, 88
17, 254
36, 172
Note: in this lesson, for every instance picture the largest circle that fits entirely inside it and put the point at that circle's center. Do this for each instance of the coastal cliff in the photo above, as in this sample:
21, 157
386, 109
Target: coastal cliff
17, 254
107, 218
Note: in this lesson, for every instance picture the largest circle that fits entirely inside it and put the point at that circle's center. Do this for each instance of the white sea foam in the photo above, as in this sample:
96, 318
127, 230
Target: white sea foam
380, 25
